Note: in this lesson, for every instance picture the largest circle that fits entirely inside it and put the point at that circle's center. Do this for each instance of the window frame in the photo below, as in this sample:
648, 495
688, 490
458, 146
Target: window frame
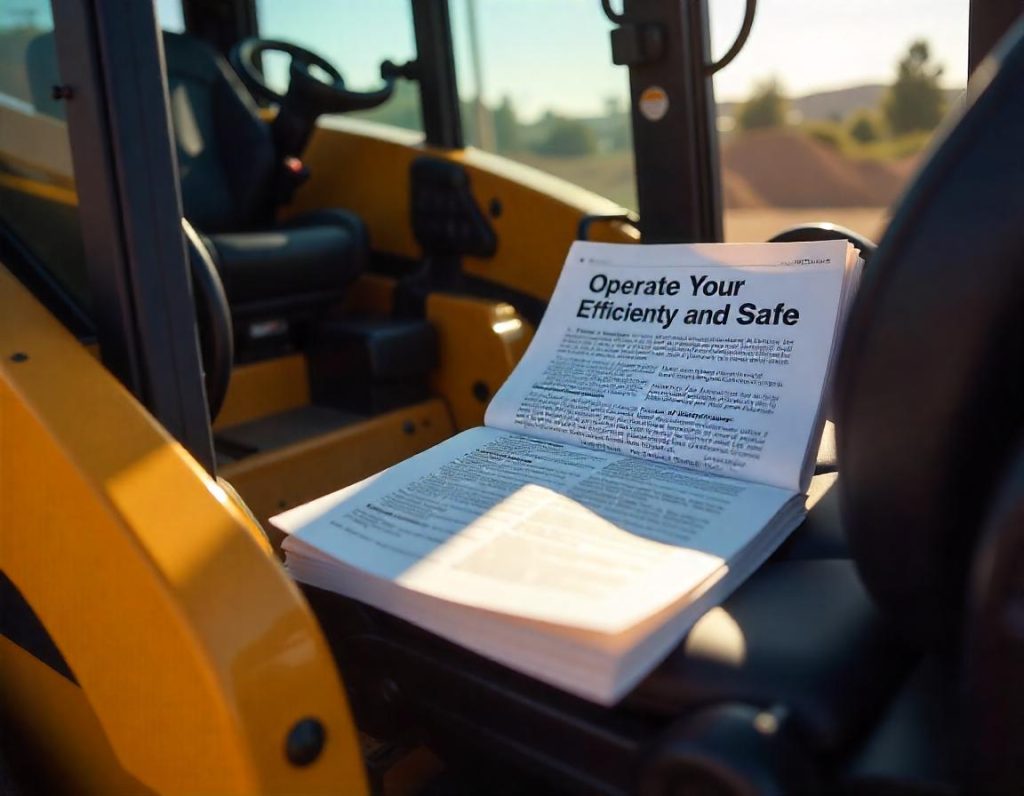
435, 73
130, 210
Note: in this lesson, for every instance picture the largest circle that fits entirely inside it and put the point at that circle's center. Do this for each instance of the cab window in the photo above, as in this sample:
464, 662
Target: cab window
355, 36
824, 115
169, 15
38, 202
815, 120
537, 85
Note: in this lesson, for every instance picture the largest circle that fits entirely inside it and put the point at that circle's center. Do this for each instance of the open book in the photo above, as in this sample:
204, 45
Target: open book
647, 454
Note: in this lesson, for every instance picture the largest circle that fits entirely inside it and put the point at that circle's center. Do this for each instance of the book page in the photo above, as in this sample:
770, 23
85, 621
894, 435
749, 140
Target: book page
708, 357
536, 529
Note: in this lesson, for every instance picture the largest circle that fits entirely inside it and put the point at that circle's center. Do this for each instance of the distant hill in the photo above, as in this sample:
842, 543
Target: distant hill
837, 104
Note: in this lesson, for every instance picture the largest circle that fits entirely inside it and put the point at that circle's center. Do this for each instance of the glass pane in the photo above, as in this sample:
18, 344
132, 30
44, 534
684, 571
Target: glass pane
355, 36
538, 85
168, 13
824, 114
38, 204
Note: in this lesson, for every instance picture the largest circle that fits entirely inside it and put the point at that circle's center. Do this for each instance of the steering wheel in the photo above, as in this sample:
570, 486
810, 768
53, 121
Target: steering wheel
307, 94
821, 230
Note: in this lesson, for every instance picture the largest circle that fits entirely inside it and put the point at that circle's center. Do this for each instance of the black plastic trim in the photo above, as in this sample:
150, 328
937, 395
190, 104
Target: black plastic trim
528, 306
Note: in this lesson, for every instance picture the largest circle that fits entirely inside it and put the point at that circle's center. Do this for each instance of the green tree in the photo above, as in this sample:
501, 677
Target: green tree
915, 101
617, 124
766, 108
568, 138
863, 127
506, 127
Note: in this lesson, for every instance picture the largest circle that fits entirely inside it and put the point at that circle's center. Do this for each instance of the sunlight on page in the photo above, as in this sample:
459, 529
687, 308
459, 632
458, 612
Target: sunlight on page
717, 636
538, 529
539, 539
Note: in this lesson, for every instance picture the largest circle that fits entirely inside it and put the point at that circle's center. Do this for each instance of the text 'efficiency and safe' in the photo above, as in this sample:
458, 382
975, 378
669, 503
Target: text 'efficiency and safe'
606, 307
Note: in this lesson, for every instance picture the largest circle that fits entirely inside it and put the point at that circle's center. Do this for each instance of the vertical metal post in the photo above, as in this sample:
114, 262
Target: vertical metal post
666, 45
111, 59
484, 125
435, 72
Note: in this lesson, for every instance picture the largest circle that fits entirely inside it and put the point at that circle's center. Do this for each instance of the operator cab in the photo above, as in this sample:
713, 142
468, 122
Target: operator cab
338, 338
273, 286
235, 173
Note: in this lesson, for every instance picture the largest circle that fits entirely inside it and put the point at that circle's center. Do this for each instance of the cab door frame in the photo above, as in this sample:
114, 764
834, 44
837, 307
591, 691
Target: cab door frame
110, 55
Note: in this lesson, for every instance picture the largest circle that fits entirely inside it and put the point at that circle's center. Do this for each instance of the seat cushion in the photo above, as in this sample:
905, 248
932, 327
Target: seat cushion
291, 267
913, 749
803, 635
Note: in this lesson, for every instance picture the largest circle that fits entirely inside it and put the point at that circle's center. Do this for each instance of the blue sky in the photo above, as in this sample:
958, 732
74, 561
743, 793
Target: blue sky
555, 53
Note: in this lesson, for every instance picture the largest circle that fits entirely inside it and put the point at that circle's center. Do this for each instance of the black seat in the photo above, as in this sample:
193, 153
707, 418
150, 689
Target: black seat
800, 646
230, 174
820, 663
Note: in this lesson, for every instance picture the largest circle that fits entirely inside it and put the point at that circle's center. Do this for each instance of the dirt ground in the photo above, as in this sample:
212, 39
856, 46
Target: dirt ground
771, 180
788, 168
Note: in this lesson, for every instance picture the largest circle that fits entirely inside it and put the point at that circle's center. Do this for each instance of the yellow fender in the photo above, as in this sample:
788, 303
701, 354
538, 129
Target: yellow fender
193, 649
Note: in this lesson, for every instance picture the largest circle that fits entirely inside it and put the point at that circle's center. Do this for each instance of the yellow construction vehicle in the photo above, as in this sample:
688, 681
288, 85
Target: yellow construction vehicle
226, 288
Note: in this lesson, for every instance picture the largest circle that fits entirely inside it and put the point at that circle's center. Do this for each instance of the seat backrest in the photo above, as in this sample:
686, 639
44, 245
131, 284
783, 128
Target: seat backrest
225, 151
993, 702
226, 156
929, 394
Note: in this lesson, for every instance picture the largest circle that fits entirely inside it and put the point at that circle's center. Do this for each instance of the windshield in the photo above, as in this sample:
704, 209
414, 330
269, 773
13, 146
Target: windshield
822, 116
825, 113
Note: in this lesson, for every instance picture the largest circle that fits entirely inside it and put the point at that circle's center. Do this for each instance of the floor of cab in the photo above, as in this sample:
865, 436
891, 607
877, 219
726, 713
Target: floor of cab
280, 430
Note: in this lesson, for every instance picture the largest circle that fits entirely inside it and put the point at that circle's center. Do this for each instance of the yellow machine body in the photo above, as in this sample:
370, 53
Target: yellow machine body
192, 653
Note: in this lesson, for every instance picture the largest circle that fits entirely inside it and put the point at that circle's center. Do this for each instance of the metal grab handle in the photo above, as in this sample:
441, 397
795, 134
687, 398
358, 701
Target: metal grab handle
709, 69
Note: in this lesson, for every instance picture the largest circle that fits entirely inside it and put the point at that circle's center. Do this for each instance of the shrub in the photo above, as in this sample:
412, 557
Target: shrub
766, 108
831, 134
568, 138
863, 127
